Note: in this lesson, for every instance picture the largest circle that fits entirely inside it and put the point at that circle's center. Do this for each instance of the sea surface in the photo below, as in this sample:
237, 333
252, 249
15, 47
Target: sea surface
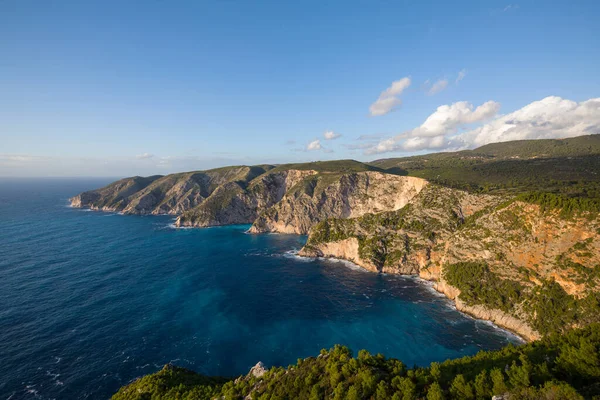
91, 300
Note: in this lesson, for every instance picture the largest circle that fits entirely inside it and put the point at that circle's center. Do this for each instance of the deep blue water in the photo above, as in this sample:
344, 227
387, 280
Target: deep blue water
91, 300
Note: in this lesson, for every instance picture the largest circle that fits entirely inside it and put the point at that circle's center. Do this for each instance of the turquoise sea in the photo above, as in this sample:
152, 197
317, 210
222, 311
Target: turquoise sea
91, 300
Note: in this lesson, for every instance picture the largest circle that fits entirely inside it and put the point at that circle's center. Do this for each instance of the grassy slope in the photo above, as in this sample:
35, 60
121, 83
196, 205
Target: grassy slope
568, 166
336, 166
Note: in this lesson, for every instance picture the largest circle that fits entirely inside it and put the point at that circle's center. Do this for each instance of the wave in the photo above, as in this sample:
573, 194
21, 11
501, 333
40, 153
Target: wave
345, 263
293, 254
55, 378
30, 389
173, 226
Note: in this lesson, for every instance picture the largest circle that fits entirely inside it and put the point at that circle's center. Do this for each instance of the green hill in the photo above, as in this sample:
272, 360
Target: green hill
557, 367
568, 166
335, 166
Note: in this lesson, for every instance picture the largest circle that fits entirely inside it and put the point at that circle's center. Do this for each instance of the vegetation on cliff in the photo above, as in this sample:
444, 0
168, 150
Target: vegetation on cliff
242, 194
387, 239
547, 307
534, 256
563, 366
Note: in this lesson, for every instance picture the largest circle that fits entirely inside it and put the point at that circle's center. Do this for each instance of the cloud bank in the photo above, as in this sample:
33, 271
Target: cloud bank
551, 117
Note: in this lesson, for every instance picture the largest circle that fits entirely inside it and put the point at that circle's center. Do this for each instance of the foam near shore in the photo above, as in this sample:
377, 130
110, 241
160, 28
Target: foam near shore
430, 286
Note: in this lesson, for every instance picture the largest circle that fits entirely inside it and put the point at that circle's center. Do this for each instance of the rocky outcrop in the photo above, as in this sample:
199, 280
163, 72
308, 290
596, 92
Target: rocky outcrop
519, 242
346, 249
339, 196
403, 241
258, 370
235, 203
171, 194
385, 223
520, 235
288, 199
496, 316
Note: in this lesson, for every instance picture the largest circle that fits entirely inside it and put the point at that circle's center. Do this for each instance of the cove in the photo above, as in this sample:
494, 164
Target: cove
91, 300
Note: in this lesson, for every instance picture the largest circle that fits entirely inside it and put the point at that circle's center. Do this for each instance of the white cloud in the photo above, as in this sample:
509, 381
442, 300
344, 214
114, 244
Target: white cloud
330, 135
432, 134
511, 7
389, 99
550, 118
144, 156
447, 118
437, 87
314, 145
461, 75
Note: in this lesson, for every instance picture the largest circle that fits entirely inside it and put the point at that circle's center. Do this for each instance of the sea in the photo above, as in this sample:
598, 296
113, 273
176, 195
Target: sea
89, 300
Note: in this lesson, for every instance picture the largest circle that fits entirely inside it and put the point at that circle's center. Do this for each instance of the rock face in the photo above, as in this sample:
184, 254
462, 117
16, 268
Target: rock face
519, 242
235, 203
346, 196
171, 194
496, 316
383, 222
287, 199
403, 241
258, 370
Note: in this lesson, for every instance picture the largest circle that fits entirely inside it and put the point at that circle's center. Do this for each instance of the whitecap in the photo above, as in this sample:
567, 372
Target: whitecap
294, 255
173, 226
345, 263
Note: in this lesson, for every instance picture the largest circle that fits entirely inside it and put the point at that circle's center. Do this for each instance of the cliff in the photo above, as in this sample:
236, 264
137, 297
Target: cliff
528, 267
170, 194
287, 198
319, 197
528, 261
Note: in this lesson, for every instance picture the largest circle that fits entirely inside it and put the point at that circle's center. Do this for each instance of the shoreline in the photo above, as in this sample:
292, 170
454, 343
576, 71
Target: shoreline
431, 284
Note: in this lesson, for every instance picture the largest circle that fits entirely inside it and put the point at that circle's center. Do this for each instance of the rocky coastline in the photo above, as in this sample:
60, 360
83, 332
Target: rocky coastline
498, 318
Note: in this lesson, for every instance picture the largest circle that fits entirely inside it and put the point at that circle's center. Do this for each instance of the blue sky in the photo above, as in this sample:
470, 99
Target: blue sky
113, 88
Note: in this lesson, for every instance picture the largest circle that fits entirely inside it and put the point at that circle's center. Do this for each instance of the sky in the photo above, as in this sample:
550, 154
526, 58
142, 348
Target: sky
121, 88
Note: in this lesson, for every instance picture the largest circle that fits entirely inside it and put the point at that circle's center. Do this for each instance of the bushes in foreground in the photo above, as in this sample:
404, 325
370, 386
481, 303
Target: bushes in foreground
557, 367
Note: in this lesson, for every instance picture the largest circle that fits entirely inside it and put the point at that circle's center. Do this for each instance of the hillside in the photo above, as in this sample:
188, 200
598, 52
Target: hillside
283, 198
562, 367
510, 232
568, 166
245, 194
529, 263
480, 213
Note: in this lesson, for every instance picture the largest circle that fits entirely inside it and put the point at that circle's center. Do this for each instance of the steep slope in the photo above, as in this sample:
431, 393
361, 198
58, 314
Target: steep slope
500, 259
318, 197
567, 165
285, 198
400, 241
113, 196
235, 203
558, 367
171, 194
